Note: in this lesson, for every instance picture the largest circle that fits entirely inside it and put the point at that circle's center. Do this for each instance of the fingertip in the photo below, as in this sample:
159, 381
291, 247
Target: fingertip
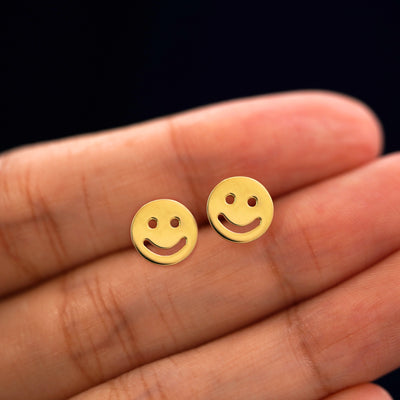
333, 113
377, 392
367, 391
365, 123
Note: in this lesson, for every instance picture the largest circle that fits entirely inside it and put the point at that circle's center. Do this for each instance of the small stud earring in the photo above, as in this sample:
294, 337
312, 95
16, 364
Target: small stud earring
164, 231
240, 209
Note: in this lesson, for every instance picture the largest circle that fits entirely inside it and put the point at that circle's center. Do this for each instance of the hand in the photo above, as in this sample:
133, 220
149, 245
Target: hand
308, 311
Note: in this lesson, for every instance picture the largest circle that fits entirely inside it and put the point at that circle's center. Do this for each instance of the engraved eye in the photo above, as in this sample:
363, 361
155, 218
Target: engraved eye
152, 223
175, 222
252, 201
230, 198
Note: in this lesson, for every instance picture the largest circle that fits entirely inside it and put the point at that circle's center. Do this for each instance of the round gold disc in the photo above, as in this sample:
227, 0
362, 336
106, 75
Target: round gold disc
240, 209
160, 227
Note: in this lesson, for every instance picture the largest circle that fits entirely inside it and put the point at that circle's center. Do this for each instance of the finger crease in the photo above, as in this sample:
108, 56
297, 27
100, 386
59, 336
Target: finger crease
159, 310
301, 337
287, 289
185, 163
314, 258
30, 271
53, 232
159, 387
74, 343
44, 217
138, 358
85, 194
173, 309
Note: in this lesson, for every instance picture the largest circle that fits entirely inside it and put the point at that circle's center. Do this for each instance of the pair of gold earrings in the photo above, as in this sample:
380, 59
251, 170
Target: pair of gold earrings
165, 232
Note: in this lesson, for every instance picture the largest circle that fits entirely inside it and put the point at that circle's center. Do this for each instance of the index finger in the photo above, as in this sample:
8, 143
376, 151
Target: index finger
67, 202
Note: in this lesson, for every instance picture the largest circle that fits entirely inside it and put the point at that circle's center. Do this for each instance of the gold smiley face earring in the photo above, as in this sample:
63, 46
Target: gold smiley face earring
240, 209
164, 231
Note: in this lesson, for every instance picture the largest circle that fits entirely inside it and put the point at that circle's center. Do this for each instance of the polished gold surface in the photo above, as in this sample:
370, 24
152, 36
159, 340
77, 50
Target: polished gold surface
163, 225
240, 202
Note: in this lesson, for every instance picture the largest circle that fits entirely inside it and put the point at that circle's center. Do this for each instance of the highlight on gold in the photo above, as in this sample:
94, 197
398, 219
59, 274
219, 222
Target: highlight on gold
164, 231
240, 209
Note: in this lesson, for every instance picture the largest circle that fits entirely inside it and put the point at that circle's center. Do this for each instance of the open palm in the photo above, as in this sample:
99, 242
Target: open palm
308, 311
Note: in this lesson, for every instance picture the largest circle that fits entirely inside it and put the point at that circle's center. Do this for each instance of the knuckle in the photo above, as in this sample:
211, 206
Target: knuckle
151, 386
94, 324
303, 343
143, 384
27, 211
80, 338
15, 217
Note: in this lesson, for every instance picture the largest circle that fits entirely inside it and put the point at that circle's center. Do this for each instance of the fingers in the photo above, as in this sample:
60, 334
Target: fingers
366, 391
122, 312
64, 203
338, 339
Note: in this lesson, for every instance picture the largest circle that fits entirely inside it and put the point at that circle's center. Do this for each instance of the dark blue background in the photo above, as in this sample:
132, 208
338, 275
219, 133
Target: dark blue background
76, 67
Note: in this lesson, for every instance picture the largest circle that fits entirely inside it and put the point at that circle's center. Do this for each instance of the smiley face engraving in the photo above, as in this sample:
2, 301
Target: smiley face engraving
240, 209
164, 231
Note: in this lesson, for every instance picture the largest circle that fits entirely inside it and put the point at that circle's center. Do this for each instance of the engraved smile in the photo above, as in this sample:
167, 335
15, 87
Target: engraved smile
228, 224
164, 251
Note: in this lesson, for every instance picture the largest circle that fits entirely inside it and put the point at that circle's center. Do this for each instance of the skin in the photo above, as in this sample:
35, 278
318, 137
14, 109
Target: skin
307, 311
